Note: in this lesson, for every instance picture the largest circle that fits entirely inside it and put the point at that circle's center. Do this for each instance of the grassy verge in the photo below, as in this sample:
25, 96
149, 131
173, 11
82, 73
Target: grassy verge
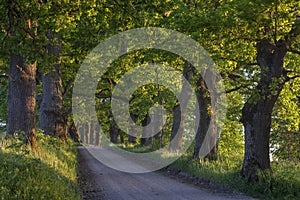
49, 173
283, 183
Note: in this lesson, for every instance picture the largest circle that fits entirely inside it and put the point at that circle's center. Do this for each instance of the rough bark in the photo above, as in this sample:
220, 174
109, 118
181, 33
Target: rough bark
22, 98
179, 111
257, 111
51, 118
22, 81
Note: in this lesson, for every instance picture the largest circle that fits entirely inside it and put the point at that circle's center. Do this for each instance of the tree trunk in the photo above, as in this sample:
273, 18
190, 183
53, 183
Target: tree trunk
51, 119
22, 98
86, 132
121, 135
204, 116
147, 132
73, 132
113, 133
179, 111
132, 139
208, 126
257, 111
98, 135
22, 80
158, 121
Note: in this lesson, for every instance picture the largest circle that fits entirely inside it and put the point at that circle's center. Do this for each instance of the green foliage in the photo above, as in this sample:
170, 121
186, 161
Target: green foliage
49, 173
285, 135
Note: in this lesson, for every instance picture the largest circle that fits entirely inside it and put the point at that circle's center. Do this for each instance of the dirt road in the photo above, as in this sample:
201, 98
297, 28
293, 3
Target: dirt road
101, 182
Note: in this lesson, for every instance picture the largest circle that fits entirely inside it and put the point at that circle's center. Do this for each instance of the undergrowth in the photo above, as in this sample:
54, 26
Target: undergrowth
47, 173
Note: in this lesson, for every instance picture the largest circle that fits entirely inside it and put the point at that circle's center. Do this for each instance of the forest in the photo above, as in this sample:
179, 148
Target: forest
253, 121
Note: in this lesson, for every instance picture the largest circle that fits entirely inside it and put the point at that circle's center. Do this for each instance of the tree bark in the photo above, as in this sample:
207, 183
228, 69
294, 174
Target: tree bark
204, 117
179, 111
114, 132
132, 139
208, 126
73, 132
22, 82
257, 111
147, 132
22, 98
51, 118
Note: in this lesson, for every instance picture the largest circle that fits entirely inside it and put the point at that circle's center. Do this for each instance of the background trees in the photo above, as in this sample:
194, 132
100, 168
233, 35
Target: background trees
254, 44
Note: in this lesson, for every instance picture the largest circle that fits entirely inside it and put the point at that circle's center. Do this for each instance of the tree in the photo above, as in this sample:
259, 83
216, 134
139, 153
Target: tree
250, 41
51, 119
179, 111
22, 76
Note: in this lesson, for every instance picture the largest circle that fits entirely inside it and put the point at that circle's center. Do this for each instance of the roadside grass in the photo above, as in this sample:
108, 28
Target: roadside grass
282, 183
48, 173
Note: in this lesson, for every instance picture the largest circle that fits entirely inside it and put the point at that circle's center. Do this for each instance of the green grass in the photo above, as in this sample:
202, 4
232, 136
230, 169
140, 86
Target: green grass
49, 173
283, 183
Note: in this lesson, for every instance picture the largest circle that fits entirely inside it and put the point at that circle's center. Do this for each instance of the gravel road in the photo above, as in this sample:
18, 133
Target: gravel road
98, 182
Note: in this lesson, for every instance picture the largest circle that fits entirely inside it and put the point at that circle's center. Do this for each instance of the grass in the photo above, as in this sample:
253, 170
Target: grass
282, 183
49, 173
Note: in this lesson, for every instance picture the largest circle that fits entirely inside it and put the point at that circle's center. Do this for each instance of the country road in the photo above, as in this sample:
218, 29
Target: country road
98, 181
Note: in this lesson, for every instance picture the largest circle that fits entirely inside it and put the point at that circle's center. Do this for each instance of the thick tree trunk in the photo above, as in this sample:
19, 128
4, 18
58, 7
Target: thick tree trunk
22, 98
22, 80
179, 111
51, 119
257, 111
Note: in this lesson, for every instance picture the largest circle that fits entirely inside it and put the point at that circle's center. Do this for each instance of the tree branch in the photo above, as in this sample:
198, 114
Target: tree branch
67, 88
294, 51
236, 89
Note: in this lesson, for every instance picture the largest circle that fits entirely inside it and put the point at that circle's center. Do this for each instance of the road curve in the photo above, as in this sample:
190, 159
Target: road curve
101, 182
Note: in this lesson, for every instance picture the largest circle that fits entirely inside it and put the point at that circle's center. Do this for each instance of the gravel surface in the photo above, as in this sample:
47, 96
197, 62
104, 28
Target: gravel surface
98, 181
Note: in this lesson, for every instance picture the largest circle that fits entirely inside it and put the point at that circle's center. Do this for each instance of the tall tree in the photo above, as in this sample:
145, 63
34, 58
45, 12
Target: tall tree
51, 119
22, 76
179, 111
